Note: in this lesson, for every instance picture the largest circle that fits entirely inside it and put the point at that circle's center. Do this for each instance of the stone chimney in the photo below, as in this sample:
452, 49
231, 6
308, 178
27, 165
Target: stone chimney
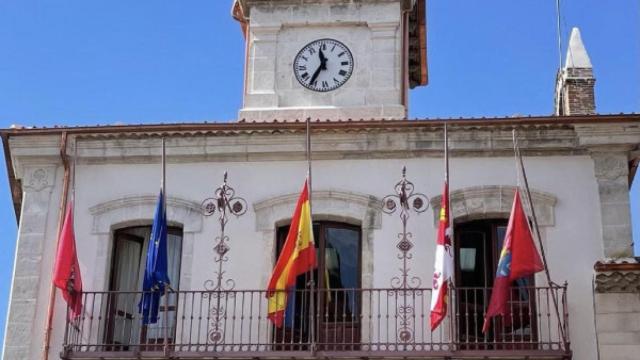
575, 81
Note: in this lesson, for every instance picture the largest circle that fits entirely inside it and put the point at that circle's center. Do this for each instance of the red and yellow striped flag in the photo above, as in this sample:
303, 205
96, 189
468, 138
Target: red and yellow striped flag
298, 256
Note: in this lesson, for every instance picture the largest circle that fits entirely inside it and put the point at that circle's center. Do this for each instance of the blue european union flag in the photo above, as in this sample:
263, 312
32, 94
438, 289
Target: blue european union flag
156, 275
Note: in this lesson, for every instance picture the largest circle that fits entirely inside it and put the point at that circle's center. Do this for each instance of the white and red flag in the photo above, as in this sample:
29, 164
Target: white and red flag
66, 271
443, 266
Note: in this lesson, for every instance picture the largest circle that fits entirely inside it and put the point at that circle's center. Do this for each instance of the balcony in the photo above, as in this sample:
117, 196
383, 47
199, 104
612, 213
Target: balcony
336, 323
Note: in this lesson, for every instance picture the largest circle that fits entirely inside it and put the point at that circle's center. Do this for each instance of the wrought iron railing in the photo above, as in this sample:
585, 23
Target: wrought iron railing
347, 322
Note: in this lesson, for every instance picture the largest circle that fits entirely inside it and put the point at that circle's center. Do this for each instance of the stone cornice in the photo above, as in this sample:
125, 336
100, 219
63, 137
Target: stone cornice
289, 145
363, 139
596, 136
617, 276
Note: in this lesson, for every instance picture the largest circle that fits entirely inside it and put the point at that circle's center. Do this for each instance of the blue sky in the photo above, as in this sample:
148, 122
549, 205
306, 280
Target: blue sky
105, 62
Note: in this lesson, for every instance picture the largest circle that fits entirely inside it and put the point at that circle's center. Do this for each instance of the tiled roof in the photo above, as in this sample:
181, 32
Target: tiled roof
276, 125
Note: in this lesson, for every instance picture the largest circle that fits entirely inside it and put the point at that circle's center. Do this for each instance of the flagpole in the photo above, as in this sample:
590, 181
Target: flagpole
164, 216
312, 305
522, 171
308, 155
448, 215
73, 180
446, 179
163, 180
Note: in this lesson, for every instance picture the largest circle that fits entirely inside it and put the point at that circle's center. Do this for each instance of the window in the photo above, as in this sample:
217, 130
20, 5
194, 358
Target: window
124, 325
337, 278
478, 245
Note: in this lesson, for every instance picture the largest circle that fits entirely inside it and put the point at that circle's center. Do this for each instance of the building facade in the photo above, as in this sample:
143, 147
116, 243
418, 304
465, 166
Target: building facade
371, 291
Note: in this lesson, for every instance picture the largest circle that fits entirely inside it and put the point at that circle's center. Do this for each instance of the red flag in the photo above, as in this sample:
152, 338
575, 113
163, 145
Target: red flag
518, 258
66, 271
443, 265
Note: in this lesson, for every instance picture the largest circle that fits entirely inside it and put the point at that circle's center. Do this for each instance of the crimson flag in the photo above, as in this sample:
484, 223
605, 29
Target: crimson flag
518, 258
66, 271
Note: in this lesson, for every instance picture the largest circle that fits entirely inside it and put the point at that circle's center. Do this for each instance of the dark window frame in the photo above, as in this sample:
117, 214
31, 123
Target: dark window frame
325, 330
491, 226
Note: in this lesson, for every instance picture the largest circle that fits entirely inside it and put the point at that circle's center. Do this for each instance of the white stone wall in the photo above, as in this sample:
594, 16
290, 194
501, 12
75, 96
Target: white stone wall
117, 181
278, 30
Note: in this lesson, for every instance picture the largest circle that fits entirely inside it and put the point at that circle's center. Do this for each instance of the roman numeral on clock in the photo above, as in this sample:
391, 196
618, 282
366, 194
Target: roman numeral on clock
342, 72
325, 84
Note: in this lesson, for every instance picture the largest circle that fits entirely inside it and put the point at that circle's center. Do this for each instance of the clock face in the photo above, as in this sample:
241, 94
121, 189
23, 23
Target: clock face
323, 65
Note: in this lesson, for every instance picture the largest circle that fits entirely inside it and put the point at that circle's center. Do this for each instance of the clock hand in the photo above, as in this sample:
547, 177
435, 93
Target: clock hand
323, 60
315, 75
323, 66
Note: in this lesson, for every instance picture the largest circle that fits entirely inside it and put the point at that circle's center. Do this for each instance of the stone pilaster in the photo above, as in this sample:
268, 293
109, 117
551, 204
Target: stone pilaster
612, 175
20, 330
261, 71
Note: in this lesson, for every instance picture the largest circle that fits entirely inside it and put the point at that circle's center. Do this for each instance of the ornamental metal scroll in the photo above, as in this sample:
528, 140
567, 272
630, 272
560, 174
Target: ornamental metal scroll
224, 202
405, 285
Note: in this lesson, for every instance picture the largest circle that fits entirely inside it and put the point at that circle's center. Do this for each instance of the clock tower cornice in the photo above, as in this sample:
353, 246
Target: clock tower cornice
245, 5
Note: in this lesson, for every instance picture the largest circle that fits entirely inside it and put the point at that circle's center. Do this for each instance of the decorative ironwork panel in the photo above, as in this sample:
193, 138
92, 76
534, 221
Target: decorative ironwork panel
405, 284
225, 203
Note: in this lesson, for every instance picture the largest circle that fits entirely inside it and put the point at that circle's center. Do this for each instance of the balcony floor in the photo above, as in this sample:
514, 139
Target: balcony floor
204, 355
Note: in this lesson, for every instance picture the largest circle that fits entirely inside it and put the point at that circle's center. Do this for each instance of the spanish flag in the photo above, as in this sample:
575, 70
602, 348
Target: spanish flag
297, 257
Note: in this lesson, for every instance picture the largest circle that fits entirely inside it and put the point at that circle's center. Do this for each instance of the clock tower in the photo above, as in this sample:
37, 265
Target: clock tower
331, 59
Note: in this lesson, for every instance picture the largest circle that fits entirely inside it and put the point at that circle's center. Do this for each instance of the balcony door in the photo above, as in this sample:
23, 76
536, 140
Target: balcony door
478, 245
123, 322
337, 299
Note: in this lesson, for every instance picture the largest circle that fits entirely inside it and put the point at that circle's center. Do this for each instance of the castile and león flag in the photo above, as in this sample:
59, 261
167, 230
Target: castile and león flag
443, 266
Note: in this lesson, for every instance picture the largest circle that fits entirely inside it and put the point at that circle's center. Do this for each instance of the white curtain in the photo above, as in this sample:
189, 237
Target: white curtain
129, 266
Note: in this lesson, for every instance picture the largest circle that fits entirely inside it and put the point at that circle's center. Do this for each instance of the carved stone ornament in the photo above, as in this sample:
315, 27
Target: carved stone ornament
618, 276
39, 178
610, 166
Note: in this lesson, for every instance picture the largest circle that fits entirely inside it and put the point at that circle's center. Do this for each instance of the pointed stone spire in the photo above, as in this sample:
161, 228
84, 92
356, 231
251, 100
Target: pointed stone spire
577, 56
575, 81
